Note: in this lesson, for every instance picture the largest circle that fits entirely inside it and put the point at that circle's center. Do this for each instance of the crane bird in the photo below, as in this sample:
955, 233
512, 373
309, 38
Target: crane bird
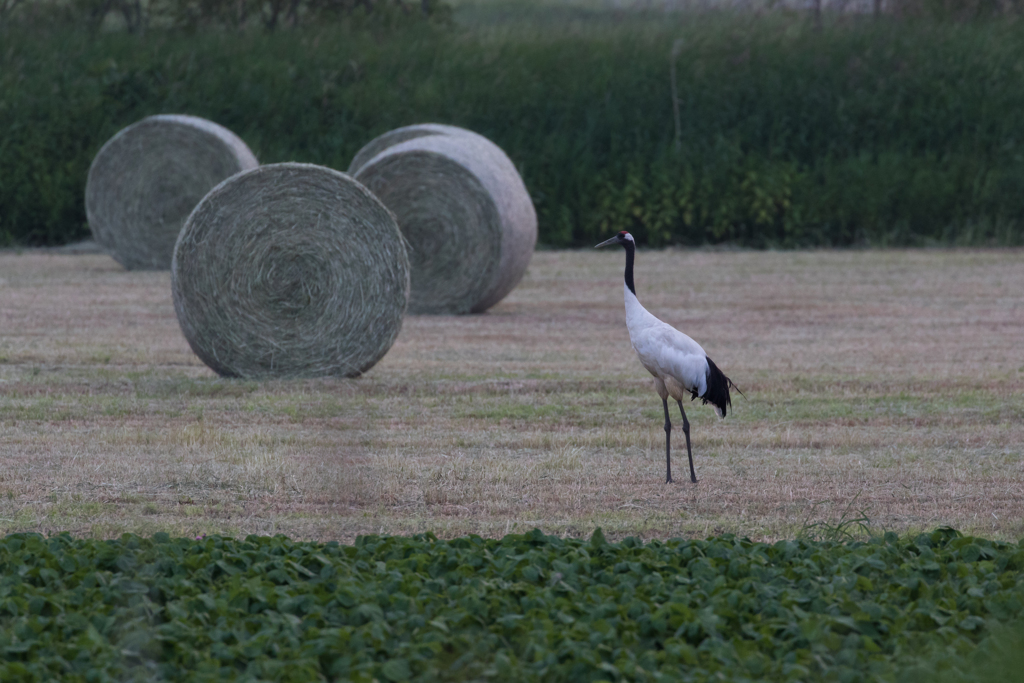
678, 363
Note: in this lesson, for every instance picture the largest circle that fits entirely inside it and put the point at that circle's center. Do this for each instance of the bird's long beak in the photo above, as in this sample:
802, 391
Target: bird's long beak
613, 240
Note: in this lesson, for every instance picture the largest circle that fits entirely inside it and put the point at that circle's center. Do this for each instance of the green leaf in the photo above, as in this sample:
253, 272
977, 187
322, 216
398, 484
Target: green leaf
396, 670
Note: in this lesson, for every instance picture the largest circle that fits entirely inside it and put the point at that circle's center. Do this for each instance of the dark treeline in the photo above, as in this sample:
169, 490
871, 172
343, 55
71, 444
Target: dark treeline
898, 130
139, 16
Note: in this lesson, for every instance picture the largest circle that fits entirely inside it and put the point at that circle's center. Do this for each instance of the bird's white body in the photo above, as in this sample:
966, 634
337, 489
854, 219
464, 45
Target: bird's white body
679, 364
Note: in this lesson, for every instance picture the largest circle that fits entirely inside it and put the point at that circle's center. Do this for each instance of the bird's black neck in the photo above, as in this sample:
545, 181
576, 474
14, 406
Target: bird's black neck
630, 251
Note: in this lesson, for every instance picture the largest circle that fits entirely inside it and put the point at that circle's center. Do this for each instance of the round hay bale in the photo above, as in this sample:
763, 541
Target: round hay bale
463, 209
145, 181
290, 270
399, 135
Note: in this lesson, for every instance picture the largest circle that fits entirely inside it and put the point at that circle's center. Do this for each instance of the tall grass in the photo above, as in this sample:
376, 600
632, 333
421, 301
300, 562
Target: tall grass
867, 132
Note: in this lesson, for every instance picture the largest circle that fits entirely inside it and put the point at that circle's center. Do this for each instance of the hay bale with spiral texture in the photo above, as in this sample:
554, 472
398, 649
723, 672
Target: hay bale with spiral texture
399, 135
145, 181
463, 209
290, 270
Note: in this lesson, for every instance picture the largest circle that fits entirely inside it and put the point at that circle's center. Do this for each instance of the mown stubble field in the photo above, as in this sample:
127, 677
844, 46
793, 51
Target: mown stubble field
881, 385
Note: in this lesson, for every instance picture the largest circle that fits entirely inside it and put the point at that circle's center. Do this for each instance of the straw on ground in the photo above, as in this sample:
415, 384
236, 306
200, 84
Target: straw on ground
882, 384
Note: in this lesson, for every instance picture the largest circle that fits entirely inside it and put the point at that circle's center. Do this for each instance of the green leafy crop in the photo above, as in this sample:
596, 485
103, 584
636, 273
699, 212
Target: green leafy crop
525, 607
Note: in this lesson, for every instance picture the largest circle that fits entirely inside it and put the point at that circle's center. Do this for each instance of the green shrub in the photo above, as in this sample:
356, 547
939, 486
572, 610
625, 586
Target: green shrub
884, 132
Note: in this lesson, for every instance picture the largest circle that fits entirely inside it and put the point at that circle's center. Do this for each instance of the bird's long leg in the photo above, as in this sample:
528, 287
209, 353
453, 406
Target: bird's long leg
686, 433
668, 447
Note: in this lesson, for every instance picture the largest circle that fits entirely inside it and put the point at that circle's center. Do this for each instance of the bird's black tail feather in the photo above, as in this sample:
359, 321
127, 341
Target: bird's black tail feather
718, 385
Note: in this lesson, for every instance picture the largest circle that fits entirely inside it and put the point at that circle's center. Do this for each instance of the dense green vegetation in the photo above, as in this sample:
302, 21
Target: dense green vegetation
868, 132
524, 608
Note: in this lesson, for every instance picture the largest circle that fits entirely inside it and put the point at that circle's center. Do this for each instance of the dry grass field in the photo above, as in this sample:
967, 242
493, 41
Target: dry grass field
882, 386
